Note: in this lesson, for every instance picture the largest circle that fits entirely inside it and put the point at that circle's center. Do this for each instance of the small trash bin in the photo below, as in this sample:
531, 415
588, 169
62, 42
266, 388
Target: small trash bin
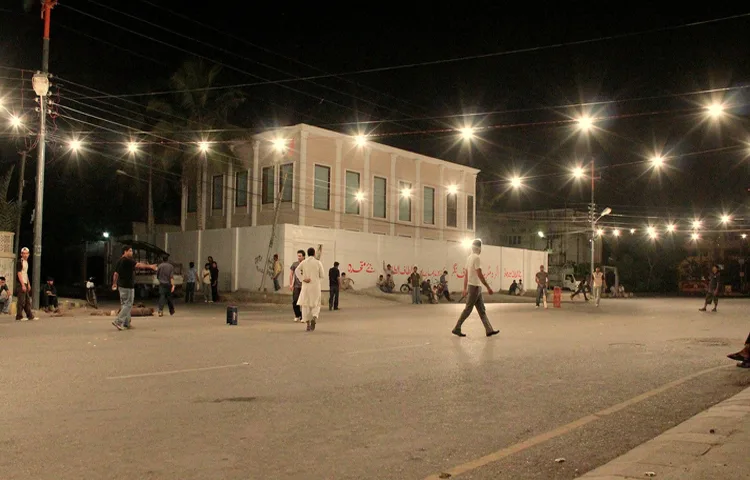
232, 315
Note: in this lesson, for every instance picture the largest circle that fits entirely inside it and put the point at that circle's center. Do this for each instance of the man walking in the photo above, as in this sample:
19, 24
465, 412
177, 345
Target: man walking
415, 280
581, 289
165, 276
23, 291
714, 284
192, 275
473, 292
598, 284
310, 273
542, 282
123, 280
296, 286
333, 284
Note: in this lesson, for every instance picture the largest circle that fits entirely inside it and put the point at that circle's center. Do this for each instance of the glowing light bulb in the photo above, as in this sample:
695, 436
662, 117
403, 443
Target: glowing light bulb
578, 172
132, 147
467, 133
585, 123
359, 196
616, 232
74, 145
360, 140
452, 189
515, 182
203, 146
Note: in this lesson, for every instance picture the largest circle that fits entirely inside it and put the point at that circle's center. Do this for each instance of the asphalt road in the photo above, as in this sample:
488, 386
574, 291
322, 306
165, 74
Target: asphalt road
380, 392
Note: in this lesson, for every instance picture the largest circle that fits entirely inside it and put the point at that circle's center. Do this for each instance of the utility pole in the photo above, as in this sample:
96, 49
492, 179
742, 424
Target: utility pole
593, 219
273, 232
21, 175
150, 219
40, 81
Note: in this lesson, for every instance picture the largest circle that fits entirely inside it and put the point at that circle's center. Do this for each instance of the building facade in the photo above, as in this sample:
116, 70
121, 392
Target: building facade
564, 233
309, 176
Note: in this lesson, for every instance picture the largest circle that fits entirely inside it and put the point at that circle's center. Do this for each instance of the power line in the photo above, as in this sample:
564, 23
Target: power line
468, 57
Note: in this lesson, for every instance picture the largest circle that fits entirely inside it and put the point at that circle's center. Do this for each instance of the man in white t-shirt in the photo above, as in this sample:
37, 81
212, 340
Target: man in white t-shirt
23, 290
473, 281
598, 283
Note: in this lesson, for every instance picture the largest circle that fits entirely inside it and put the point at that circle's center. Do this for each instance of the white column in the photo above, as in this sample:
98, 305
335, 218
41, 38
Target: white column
418, 200
236, 264
461, 203
440, 217
255, 197
364, 186
302, 196
183, 205
338, 190
394, 193
474, 196
205, 184
229, 185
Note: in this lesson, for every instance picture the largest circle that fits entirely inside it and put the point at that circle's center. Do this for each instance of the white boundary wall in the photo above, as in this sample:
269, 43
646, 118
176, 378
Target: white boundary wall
239, 253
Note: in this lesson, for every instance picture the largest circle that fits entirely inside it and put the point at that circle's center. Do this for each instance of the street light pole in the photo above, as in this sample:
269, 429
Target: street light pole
40, 82
593, 218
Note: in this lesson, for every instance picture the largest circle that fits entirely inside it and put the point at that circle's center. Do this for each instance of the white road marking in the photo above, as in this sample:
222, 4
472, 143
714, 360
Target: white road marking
172, 372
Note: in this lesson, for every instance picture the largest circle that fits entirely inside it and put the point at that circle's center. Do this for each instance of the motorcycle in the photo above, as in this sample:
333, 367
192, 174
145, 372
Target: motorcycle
91, 293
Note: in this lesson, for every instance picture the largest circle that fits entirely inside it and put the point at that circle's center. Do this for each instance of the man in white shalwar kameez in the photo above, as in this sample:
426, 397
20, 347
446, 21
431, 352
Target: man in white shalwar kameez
310, 273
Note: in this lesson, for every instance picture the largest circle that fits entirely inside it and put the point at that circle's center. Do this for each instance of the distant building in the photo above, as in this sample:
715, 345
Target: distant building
565, 233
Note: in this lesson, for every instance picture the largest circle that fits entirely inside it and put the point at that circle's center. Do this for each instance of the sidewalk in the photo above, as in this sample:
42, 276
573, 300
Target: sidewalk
713, 445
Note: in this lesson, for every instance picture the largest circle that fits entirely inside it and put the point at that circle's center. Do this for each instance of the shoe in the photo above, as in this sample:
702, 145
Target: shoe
571, 298
296, 319
713, 310
312, 324
745, 364
494, 332
702, 309
172, 312
308, 326
128, 327
537, 306
336, 308
117, 325
161, 314
458, 333
738, 357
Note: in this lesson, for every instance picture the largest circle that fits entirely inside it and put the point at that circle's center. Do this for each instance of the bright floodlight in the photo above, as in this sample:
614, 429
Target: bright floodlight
616, 232
105, 234
406, 192
657, 161
515, 182
74, 145
467, 133
132, 147
359, 196
632, 231
697, 224
361, 140
606, 211
671, 228
744, 236
15, 121
585, 123
578, 172
203, 146
651, 232
715, 110
279, 144
695, 236
540, 233
600, 232
725, 218
452, 189
467, 242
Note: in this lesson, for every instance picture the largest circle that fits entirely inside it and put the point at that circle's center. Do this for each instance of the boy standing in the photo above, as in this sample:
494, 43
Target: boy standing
23, 291
192, 274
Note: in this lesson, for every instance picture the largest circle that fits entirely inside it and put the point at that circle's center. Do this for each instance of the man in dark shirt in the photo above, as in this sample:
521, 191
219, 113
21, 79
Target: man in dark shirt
415, 280
444, 286
714, 284
165, 275
296, 286
123, 281
49, 295
542, 281
214, 281
333, 284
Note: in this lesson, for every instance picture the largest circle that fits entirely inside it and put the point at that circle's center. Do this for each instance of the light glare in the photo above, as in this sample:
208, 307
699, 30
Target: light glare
632, 231
540, 233
725, 218
671, 228
697, 224
15, 121
616, 232
515, 182
406, 192
716, 110
600, 232
578, 172
132, 147
279, 144
361, 140
74, 145
452, 189
585, 123
359, 196
203, 146
695, 236
657, 161
467, 133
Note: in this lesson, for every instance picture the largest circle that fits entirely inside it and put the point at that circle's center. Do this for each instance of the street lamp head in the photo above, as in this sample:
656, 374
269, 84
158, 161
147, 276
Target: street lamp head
74, 145
695, 237
585, 123
606, 211
359, 196
578, 172
132, 147
744, 236
452, 189
632, 231
726, 218
105, 234
657, 161
360, 140
616, 232
406, 192
15, 121
515, 182
540, 233
697, 224
203, 146
467, 133
715, 110
600, 231
671, 228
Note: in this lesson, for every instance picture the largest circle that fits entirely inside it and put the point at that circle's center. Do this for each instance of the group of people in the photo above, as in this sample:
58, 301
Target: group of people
208, 281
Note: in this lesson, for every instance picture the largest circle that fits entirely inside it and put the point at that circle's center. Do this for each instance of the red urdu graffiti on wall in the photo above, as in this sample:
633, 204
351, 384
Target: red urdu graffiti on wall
490, 272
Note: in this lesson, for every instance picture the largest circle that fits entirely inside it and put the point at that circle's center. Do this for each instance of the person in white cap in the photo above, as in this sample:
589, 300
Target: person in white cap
473, 281
23, 292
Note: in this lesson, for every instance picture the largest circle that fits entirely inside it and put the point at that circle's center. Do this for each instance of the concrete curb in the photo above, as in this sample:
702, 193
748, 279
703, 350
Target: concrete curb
711, 445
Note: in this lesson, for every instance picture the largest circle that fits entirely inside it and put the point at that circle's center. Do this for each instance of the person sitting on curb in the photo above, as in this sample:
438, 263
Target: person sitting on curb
743, 356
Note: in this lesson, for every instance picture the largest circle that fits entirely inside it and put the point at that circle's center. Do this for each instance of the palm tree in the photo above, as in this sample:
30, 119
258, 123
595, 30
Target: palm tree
196, 113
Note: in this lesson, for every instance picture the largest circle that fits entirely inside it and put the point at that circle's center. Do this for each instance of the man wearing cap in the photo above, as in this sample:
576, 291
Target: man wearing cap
23, 292
473, 281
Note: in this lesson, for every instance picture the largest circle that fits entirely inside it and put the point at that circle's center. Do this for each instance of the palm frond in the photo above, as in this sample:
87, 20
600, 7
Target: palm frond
9, 210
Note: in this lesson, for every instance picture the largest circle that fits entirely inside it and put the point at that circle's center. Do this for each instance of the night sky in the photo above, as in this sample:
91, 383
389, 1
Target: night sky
531, 94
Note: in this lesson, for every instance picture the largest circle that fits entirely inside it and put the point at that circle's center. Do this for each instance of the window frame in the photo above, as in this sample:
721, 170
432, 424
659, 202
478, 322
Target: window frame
213, 192
315, 187
354, 195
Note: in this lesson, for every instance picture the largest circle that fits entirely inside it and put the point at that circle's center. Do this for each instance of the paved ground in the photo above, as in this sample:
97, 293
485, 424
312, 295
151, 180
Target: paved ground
378, 392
